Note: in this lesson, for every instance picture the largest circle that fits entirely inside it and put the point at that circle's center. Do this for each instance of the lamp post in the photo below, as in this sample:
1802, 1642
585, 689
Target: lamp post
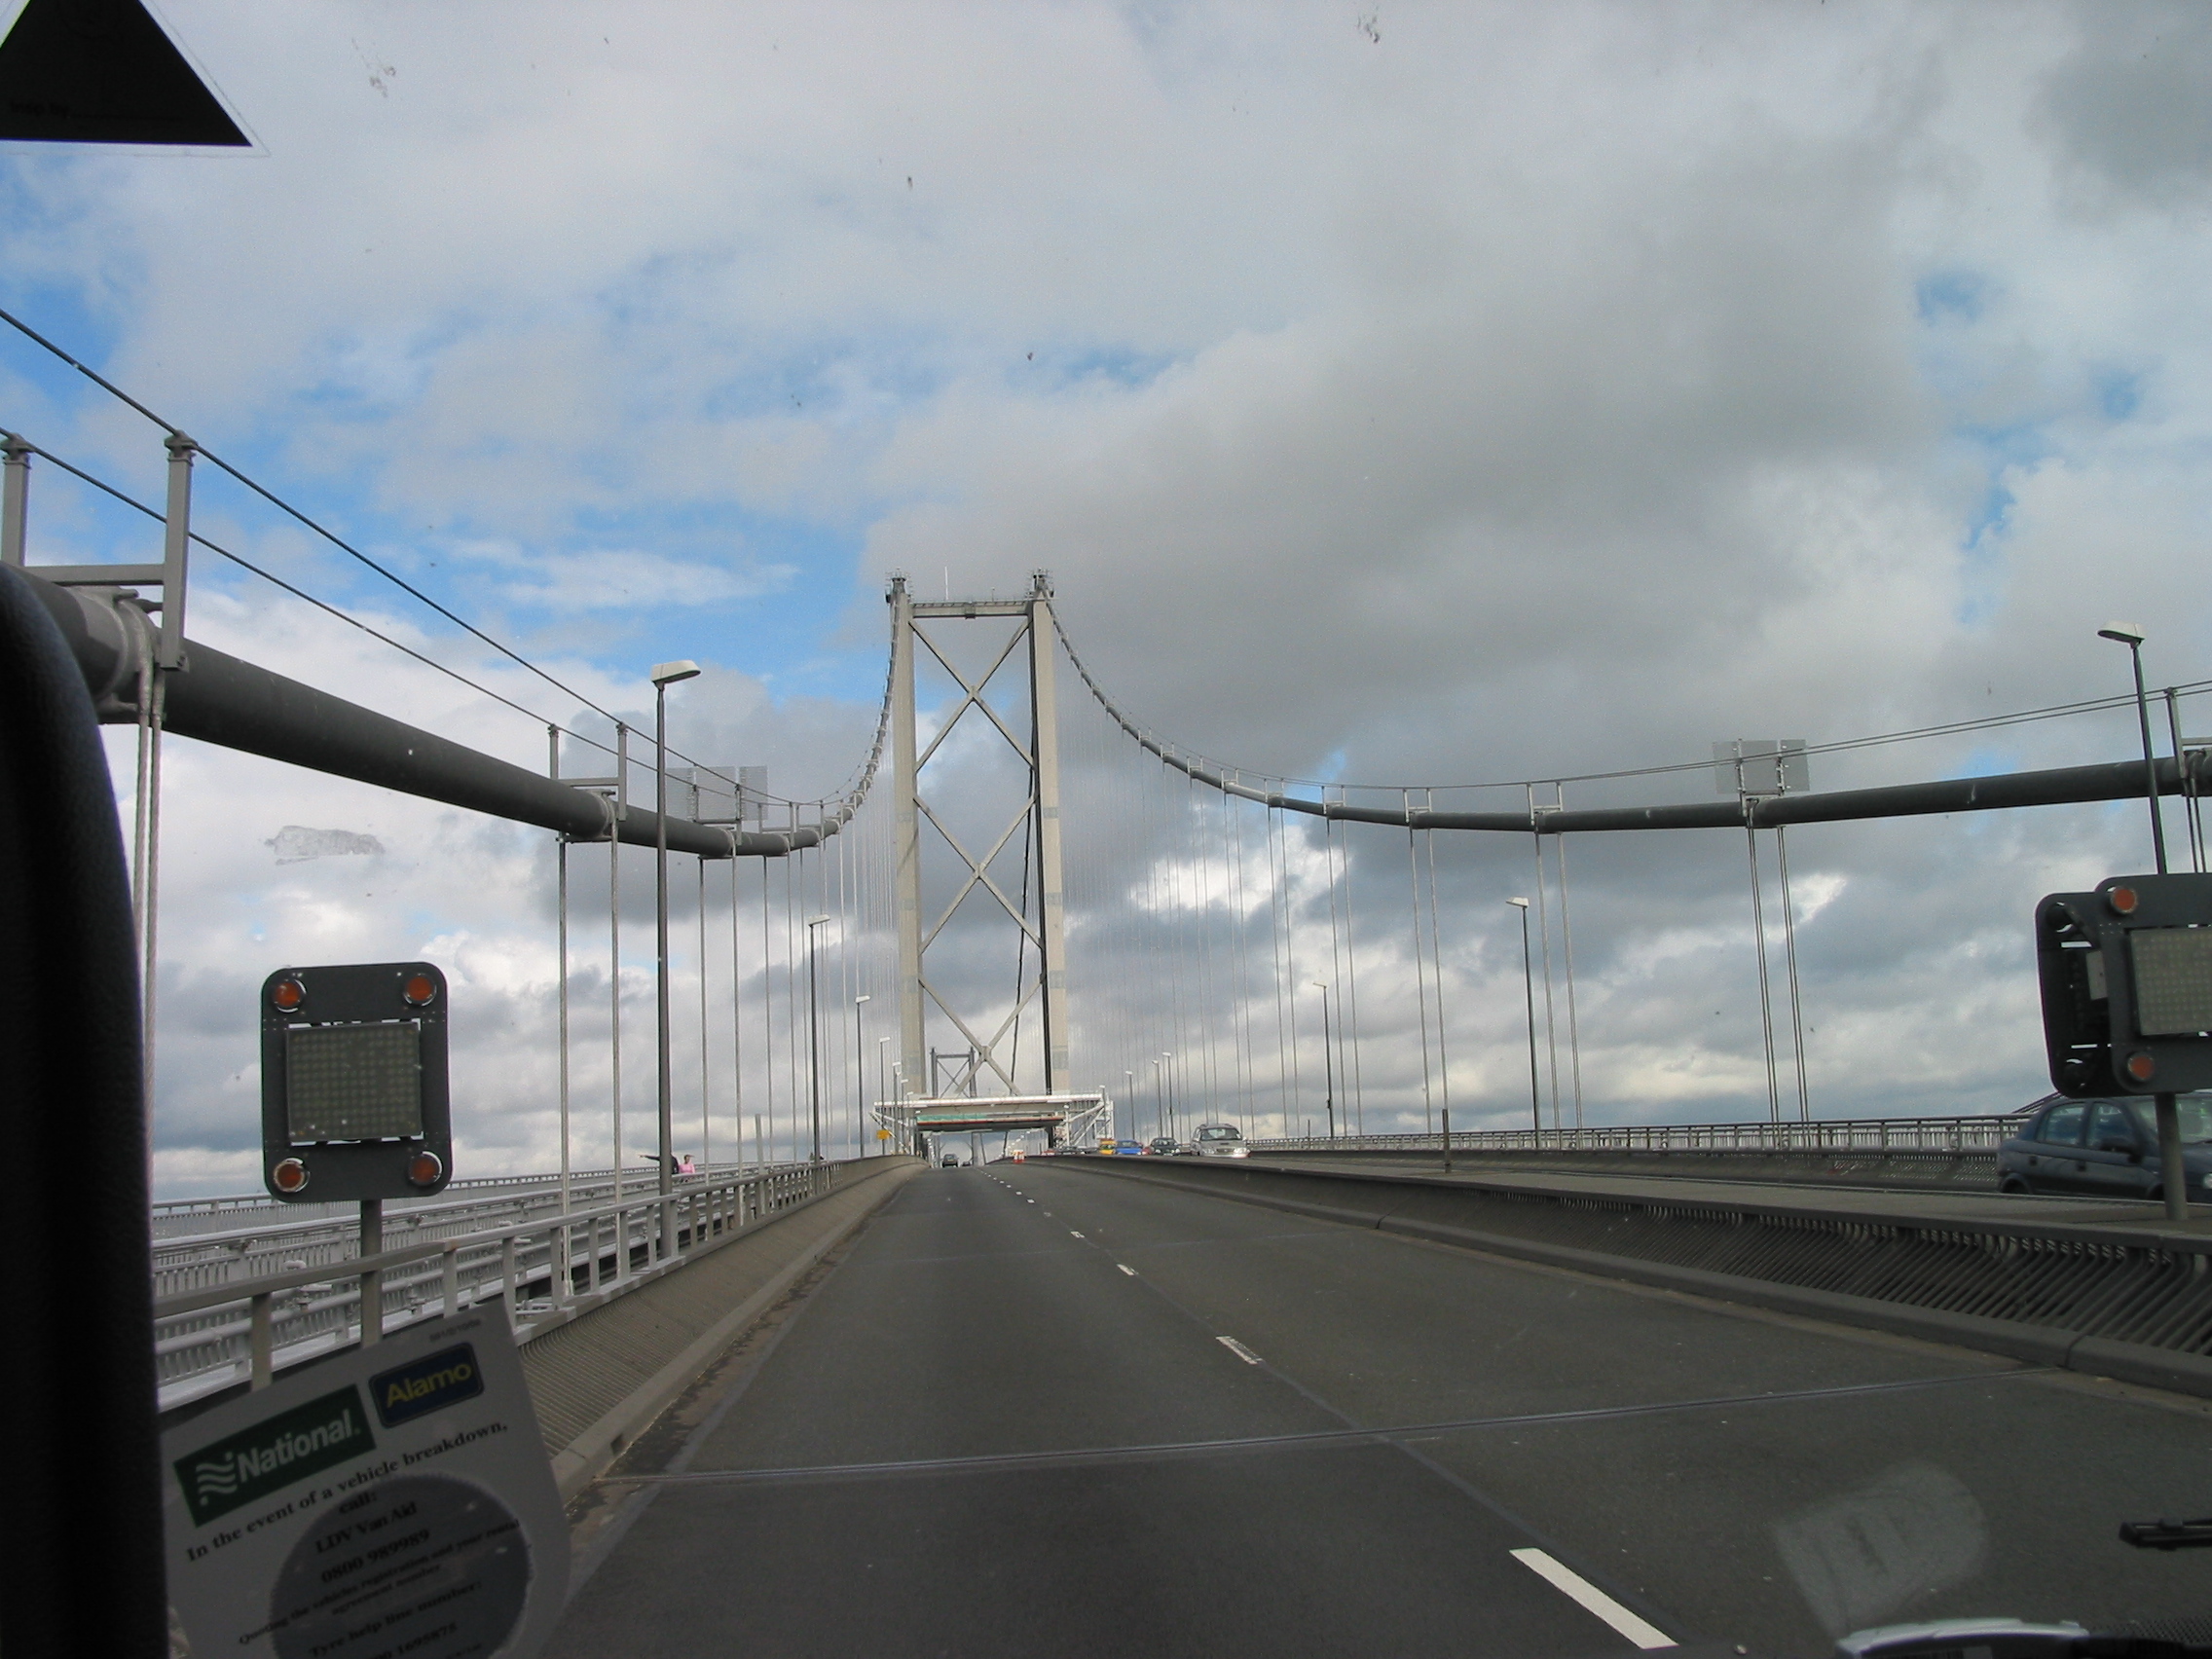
1528, 988
813, 1039
1130, 1094
882, 1085
665, 674
1328, 1062
2131, 636
2173, 1176
859, 1076
1167, 1071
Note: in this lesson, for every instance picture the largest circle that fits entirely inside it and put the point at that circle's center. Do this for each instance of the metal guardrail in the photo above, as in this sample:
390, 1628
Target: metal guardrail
242, 1314
182, 1218
1984, 1133
277, 1236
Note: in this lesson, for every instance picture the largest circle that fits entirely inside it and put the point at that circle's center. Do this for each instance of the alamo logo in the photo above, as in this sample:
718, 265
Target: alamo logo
272, 1455
426, 1386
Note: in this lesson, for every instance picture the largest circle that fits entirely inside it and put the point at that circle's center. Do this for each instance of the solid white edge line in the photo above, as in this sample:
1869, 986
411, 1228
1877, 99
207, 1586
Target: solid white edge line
1132, 1271
1239, 1350
1592, 1599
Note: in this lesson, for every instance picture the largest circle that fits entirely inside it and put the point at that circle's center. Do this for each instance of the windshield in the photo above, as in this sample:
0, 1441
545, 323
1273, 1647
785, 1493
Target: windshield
1011, 576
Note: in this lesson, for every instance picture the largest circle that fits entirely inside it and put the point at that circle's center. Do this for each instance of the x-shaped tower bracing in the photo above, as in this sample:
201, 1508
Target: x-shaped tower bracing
1039, 818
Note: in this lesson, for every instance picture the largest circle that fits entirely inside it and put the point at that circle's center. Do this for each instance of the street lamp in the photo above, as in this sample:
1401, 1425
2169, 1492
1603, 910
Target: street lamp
882, 1086
2131, 636
1328, 1062
1528, 987
665, 674
860, 1077
1167, 1071
813, 1039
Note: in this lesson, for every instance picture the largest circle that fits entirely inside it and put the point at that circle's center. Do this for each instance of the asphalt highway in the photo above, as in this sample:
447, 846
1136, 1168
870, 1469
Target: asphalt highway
1040, 1410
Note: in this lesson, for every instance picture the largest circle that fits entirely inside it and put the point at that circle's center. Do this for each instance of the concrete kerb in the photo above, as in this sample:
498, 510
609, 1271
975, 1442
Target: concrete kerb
579, 1462
2038, 1345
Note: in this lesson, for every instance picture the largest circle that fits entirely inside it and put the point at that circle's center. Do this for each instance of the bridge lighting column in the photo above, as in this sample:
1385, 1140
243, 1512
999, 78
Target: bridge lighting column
665, 674
1528, 987
882, 1085
813, 1039
2131, 636
860, 1078
1328, 1063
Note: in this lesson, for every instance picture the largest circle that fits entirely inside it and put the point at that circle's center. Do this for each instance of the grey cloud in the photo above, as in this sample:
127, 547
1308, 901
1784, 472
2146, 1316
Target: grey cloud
2131, 104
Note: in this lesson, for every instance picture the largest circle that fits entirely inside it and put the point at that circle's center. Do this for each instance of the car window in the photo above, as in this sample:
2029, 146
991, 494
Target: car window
2063, 1125
2111, 1123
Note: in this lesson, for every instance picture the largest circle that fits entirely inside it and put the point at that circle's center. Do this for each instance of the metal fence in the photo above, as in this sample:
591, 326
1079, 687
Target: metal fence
179, 1218
1828, 1134
236, 1305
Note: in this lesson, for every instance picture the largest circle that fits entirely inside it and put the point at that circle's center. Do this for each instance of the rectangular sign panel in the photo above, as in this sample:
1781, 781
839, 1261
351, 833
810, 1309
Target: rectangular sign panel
393, 1500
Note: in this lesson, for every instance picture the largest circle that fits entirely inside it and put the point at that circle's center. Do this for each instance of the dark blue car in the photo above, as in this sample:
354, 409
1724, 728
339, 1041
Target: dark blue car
2106, 1149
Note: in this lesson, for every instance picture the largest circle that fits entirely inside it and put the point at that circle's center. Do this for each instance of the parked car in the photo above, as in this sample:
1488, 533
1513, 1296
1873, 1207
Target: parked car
2105, 1148
1221, 1140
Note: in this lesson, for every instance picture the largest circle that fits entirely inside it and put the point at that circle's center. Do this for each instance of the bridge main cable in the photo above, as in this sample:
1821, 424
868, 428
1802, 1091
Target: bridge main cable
2059, 785
218, 698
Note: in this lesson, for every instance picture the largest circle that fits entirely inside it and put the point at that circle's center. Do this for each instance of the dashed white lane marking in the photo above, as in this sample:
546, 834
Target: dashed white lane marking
1073, 1234
1132, 1271
1029, 1200
1592, 1599
1234, 1346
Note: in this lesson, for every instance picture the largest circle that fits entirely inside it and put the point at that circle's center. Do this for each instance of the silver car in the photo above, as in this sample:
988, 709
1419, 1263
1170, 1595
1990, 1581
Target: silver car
1221, 1140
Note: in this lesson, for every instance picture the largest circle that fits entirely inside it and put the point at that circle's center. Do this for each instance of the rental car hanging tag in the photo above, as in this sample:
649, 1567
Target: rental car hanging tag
393, 1500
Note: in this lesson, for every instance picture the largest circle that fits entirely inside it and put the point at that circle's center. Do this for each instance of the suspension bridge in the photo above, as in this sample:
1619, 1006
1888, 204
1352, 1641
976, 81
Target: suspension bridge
1461, 1358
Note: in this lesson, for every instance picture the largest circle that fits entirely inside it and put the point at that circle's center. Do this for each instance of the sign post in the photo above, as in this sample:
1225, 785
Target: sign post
2126, 978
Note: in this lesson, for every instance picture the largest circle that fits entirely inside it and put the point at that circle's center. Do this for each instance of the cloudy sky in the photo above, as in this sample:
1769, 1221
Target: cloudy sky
1433, 393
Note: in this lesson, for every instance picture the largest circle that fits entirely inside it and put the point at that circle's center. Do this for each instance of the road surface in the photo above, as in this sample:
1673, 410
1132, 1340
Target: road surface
1040, 1410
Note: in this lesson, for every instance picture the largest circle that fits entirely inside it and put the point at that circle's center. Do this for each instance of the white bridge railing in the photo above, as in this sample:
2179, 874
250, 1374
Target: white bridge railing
1976, 1134
240, 1304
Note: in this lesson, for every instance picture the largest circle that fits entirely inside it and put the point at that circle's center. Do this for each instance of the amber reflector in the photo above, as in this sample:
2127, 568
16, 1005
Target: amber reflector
424, 1168
2123, 899
288, 995
420, 989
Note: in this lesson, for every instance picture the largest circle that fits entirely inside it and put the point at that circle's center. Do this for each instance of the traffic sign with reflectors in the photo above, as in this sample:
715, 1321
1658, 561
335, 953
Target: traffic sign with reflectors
2126, 979
355, 1102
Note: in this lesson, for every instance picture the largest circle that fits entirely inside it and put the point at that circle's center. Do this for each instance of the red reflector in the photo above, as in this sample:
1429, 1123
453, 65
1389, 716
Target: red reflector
2123, 899
2141, 1067
289, 1175
426, 1169
420, 989
288, 995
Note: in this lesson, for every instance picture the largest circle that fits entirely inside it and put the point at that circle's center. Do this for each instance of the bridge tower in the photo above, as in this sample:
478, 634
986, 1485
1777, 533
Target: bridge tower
1034, 639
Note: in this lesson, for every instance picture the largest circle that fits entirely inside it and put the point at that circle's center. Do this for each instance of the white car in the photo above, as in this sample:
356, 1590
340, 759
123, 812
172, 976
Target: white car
1221, 1140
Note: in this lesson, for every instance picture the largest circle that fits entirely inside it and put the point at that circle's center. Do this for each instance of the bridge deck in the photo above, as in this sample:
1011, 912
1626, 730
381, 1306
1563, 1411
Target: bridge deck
981, 1435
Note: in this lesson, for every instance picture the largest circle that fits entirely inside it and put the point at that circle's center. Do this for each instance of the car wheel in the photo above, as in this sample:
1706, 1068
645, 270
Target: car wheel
2012, 1184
